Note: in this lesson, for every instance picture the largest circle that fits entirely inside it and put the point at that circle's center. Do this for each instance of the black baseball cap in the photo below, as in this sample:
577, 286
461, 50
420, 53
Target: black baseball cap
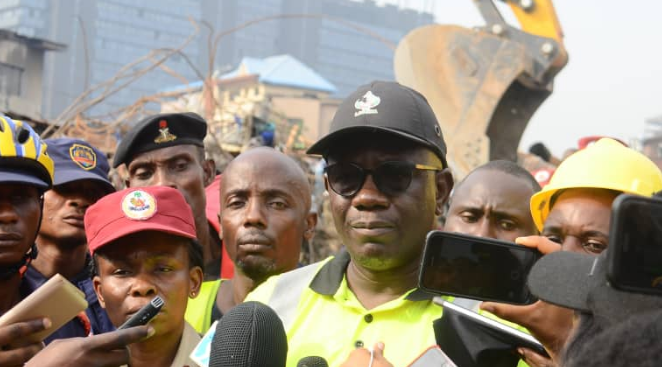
76, 160
579, 281
386, 107
161, 131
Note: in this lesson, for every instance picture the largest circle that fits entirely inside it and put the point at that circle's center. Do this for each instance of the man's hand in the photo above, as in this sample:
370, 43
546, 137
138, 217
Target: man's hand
550, 324
103, 350
15, 350
543, 244
360, 357
534, 359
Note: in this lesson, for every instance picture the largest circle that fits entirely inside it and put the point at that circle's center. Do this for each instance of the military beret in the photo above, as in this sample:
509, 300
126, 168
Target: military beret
161, 131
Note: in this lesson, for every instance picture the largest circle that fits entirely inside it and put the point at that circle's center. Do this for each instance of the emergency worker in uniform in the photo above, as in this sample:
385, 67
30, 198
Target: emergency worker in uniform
167, 150
143, 244
81, 178
26, 172
388, 181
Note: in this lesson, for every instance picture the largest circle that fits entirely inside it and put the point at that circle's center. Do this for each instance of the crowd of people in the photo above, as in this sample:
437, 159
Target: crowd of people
388, 184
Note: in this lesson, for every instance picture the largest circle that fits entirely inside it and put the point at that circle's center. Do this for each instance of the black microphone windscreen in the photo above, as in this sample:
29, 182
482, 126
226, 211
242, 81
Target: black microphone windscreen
249, 335
312, 361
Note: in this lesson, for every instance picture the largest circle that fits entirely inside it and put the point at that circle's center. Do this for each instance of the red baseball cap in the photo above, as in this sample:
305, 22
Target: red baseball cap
156, 208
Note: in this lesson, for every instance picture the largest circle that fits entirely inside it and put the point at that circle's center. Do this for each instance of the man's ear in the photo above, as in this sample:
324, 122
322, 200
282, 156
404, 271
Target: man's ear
96, 283
195, 278
444, 186
209, 168
311, 223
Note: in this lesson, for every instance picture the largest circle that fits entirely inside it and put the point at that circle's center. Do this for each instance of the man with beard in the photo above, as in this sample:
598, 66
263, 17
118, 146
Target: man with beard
388, 181
81, 178
265, 217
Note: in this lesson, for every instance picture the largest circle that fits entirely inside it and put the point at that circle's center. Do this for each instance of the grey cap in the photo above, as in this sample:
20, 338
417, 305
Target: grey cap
579, 282
385, 107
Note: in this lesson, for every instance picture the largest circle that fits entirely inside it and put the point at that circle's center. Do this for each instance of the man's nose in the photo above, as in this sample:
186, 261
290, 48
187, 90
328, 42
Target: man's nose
163, 178
7, 213
483, 228
370, 197
254, 215
572, 244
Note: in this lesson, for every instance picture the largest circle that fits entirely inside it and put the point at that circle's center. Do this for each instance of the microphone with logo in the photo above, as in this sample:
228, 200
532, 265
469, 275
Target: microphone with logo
249, 335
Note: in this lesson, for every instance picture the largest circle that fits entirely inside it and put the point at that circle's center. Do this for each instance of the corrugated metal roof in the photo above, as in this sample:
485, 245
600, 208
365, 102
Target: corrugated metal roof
281, 70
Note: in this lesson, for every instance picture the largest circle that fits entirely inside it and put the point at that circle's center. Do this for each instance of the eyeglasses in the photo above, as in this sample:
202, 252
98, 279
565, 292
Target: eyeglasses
391, 178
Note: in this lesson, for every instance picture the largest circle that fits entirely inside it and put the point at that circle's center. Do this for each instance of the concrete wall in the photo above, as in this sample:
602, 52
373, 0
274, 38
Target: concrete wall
31, 61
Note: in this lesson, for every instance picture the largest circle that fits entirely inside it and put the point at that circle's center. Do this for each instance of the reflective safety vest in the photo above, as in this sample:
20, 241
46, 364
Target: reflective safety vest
199, 309
322, 316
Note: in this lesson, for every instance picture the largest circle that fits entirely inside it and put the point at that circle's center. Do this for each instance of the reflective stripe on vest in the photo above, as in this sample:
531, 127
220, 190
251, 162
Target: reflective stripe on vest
287, 292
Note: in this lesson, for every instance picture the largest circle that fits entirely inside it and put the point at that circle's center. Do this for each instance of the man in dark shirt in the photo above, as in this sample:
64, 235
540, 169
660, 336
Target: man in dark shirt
81, 178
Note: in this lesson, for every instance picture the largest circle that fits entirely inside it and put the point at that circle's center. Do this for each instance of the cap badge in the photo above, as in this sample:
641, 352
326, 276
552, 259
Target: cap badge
139, 205
83, 156
366, 104
164, 133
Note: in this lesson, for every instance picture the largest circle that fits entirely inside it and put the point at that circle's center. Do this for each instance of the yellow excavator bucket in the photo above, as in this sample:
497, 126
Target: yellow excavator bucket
483, 84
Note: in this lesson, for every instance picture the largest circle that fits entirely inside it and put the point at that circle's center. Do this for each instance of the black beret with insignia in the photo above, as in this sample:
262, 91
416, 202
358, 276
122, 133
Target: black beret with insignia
161, 131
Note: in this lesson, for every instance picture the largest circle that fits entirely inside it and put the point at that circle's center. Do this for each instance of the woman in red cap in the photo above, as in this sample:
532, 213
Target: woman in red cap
144, 245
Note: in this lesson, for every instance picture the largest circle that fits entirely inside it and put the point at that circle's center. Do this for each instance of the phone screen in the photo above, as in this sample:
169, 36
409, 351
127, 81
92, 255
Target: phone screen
477, 268
635, 247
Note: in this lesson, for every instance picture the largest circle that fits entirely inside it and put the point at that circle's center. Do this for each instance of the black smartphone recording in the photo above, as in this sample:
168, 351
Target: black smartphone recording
478, 268
634, 256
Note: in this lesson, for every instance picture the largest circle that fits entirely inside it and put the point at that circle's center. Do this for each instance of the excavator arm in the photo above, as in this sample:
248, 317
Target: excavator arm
484, 84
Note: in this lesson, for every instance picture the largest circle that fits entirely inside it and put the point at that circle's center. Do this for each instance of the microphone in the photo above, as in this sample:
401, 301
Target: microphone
249, 335
312, 361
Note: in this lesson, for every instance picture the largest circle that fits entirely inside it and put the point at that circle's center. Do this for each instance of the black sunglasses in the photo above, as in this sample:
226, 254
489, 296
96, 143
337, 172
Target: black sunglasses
391, 178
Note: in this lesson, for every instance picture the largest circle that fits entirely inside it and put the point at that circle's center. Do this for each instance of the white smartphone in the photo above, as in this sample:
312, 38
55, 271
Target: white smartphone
512, 336
57, 299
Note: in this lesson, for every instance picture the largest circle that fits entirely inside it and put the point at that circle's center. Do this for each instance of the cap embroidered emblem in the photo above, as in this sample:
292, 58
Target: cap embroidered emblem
83, 156
164, 133
366, 104
139, 205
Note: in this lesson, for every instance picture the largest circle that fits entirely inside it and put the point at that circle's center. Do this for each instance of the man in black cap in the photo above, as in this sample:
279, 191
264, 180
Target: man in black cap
81, 178
387, 180
167, 150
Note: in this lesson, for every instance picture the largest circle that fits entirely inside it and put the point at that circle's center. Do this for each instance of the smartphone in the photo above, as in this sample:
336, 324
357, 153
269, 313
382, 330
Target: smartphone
432, 356
634, 257
57, 299
477, 268
505, 333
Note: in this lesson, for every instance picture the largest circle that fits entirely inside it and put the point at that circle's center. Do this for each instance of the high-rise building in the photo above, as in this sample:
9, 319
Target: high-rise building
102, 36
353, 44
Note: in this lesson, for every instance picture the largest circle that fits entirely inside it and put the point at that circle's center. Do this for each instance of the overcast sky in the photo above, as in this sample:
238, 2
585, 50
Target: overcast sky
613, 81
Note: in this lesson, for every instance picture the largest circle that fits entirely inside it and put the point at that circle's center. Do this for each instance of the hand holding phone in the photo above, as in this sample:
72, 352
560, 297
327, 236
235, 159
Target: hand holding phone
57, 299
15, 347
477, 268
